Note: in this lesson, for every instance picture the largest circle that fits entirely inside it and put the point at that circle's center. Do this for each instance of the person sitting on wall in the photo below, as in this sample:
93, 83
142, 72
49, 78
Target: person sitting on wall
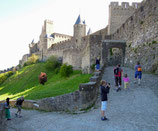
18, 104
42, 78
98, 64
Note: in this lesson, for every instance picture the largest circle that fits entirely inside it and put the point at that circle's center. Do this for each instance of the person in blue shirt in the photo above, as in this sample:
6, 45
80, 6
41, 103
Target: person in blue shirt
138, 73
98, 64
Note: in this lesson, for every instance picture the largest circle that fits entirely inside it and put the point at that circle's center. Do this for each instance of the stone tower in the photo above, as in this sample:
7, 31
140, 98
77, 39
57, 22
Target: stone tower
118, 14
45, 37
79, 30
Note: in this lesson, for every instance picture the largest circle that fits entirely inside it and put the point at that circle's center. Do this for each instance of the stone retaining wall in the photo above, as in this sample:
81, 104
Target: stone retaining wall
79, 100
2, 118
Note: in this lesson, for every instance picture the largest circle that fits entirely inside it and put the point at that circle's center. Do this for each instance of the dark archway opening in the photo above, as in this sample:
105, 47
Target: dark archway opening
113, 52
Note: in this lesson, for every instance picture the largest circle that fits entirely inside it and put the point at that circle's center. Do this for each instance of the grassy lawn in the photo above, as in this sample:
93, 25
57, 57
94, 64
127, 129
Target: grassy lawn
25, 83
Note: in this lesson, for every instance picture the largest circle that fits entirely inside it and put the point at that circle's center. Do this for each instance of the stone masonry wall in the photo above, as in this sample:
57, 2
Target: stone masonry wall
80, 100
72, 57
91, 49
95, 48
140, 32
2, 118
118, 14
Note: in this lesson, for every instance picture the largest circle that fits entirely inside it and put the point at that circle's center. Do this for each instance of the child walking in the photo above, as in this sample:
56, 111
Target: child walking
126, 81
105, 87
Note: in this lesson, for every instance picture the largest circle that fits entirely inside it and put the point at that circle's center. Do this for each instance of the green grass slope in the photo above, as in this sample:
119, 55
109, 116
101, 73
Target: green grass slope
25, 83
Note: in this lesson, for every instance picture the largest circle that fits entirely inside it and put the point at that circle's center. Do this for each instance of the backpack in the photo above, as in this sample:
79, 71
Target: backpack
116, 71
139, 68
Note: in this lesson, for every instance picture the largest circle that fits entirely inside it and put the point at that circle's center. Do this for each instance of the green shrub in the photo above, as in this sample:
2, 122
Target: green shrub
52, 63
66, 70
57, 70
4, 76
111, 52
19, 66
154, 42
25, 64
32, 59
9, 73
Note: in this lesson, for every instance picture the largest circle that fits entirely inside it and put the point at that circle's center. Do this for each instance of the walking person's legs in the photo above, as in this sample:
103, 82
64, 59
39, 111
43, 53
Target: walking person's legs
139, 78
103, 109
136, 75
7, 112
120, 82
18, 112
125, 85
116, 83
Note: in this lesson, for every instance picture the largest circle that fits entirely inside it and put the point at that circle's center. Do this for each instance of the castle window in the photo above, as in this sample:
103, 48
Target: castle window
136, 5
76, 40
125, 6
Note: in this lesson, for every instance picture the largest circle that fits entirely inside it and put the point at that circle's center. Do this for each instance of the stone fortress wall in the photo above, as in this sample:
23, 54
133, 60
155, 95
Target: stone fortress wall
140, 31
136, 24
118, 14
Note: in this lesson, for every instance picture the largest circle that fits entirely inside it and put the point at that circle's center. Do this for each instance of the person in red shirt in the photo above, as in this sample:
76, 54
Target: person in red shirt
118, 77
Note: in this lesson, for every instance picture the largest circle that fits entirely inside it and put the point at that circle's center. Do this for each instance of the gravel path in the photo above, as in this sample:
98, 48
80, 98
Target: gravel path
132, 110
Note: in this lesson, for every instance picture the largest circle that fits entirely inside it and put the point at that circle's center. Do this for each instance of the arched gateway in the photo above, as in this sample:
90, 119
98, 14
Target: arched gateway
105, 51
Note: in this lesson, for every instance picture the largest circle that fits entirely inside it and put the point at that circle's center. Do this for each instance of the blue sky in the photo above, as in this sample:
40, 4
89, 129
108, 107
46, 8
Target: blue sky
22, 20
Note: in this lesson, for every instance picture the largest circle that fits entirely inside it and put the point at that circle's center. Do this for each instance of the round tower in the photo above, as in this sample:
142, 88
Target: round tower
79, 30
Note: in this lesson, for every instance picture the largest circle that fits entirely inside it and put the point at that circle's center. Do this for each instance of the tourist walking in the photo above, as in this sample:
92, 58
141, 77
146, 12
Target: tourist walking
18, 104
118, 77
7, 109
105, 87
98, 64
126, 81
138, 73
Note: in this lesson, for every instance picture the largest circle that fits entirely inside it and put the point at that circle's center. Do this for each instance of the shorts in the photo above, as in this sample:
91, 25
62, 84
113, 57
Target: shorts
97, 67
118, 81
103, 105
138, 74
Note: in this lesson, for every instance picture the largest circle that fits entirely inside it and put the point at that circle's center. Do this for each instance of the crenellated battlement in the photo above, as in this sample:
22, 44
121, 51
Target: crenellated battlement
48, 21
119, 13
124, 5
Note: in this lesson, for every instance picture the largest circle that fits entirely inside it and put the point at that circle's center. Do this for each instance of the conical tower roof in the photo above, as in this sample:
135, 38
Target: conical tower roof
78, 21
89, 31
